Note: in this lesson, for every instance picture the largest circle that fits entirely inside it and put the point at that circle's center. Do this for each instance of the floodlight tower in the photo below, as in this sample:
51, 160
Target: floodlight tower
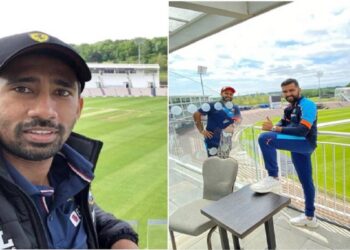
139, 42
202, 70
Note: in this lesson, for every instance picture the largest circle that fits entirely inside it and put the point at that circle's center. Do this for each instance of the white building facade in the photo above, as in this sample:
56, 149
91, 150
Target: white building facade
123, 75
124, 80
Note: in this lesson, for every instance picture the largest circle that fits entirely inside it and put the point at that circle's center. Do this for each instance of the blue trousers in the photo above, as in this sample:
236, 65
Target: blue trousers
213, 142
301, 151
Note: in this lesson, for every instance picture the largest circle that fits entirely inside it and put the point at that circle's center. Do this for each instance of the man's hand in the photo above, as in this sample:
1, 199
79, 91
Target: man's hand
207, 134
238, 120
230, 129
124, 244
267, 125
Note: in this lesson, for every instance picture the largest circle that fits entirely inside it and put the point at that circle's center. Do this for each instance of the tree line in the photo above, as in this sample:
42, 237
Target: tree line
325, 92
153, 50
261, 98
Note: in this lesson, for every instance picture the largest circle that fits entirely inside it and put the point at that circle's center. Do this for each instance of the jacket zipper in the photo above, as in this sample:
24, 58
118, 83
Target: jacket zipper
91, 231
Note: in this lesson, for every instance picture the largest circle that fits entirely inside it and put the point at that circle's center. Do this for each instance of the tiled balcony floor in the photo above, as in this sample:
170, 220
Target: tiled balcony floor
185, 188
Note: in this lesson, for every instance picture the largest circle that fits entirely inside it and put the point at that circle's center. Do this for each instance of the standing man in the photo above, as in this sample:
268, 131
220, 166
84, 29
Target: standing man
221, 115
297, 133
45, 169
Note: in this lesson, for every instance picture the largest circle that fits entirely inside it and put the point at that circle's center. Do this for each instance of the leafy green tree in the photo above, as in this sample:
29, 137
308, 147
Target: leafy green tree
153, 50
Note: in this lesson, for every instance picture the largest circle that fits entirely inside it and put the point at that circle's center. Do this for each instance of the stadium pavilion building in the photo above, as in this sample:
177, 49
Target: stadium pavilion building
124, 80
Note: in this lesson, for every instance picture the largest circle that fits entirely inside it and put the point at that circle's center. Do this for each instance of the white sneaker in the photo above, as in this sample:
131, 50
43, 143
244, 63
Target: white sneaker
303, 221
268, 184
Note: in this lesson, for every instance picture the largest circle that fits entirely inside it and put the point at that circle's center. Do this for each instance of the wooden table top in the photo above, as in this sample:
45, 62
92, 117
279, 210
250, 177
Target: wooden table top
241, 212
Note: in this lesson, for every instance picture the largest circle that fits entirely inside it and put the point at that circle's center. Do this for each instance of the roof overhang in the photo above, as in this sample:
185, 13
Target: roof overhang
193, 21
122, 66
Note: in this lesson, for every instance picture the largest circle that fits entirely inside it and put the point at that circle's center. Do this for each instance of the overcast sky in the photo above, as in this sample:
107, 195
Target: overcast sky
296, 40
85, 21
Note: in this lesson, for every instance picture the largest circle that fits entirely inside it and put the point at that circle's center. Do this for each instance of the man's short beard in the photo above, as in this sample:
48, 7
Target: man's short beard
295, 98
229, 99
30, 150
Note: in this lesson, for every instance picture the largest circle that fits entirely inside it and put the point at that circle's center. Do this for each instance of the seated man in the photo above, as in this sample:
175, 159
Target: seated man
45, 170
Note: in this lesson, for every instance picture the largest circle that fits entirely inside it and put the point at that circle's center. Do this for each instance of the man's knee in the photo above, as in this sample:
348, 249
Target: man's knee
265, 138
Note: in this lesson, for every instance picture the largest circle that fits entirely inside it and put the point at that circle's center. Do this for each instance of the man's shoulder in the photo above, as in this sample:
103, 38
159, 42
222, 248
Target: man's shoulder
235, 106
307, 102
305, 99
207, 107
87, 147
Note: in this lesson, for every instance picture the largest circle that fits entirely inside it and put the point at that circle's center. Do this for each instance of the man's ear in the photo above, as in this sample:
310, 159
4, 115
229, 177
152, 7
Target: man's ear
80, 107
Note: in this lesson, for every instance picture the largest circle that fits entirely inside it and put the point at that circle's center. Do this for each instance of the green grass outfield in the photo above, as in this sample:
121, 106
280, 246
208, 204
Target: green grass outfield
328, 178
131, 174
328, 155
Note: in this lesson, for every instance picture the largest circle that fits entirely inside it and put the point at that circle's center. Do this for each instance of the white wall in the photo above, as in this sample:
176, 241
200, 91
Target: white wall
139, 79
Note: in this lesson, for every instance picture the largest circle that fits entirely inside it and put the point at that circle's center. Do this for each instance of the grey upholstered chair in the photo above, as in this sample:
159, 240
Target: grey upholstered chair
219, 176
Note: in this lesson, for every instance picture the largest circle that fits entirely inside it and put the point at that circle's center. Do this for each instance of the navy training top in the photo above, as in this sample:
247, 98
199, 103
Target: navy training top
219, 117
68, 175
300, 119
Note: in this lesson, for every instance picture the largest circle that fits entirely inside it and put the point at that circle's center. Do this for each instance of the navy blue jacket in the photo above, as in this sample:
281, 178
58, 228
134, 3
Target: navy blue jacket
20, 222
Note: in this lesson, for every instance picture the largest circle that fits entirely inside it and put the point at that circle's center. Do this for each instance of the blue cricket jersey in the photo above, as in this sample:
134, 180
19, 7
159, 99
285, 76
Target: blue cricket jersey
300, 119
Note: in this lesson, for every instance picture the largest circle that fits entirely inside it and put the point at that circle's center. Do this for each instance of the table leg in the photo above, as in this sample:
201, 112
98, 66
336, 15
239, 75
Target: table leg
224, 239
270, 234
236, 242
172, 237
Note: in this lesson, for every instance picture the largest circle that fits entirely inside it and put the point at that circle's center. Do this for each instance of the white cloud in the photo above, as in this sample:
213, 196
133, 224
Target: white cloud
319, 34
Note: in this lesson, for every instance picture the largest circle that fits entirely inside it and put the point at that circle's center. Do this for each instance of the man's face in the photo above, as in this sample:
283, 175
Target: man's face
291, 92
227, 95
39, 105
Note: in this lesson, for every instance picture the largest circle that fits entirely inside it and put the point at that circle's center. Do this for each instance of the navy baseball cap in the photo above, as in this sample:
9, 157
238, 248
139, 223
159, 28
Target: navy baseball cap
36, 41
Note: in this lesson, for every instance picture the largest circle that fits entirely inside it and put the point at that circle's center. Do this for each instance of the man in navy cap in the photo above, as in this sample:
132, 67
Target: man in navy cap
45, 169
221, 117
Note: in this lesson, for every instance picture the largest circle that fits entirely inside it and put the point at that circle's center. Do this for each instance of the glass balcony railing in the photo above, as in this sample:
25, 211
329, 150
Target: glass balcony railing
331, 161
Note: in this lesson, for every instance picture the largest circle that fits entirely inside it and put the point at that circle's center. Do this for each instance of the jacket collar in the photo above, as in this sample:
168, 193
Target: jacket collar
87, 147
296, 102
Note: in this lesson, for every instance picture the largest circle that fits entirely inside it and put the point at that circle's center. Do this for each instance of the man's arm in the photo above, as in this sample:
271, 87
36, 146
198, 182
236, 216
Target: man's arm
308, 117
114, 233
284, 120
238, 117
299, 130
302, 129
197, 117
281, 123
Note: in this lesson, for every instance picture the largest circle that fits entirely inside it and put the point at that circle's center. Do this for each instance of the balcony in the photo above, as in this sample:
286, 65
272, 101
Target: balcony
331, 179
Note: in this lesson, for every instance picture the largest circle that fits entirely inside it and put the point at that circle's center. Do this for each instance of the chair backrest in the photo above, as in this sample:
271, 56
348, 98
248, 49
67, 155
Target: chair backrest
219, 176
